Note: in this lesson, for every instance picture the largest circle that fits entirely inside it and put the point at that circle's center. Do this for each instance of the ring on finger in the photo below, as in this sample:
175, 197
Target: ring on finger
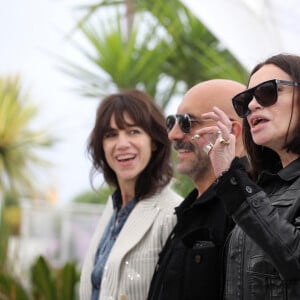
196, 137
224, 142
207, 148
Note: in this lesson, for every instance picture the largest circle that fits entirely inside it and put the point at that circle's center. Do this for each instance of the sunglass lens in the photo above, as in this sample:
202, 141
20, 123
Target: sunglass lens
241, 102
184, 123
266, 93
170, 122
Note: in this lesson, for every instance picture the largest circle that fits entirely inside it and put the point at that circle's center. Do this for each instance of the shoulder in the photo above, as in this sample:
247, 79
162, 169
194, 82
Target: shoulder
167, 198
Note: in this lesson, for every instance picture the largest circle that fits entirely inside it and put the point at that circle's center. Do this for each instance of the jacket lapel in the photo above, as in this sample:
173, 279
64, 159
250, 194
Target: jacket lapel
137, 224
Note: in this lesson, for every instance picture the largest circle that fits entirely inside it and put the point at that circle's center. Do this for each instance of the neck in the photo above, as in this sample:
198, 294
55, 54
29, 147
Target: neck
127, 191
286, 158
203, 183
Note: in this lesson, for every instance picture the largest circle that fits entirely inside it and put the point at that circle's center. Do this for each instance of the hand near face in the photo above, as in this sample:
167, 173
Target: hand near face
221, 150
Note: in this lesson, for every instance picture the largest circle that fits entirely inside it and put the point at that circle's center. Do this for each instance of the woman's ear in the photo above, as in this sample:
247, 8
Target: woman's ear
153, 146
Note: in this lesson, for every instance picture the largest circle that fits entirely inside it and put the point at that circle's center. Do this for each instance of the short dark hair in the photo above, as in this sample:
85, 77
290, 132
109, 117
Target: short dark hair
141, 108
263, 158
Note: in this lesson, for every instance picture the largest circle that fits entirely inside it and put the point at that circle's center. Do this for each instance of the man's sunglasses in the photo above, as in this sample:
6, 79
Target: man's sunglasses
184, 121
265, 94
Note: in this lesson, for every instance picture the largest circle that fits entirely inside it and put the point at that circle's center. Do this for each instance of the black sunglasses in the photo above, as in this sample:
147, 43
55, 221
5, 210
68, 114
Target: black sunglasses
265, 94
184, 121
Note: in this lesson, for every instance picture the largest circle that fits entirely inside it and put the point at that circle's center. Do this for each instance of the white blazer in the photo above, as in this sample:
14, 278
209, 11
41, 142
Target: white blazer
131, 262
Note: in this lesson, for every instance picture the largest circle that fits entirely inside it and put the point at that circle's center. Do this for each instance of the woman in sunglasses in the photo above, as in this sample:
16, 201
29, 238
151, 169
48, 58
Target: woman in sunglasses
129, 145
263, 255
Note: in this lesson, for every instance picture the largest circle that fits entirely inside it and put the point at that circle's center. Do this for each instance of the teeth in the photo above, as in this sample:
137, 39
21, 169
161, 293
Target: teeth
183, 150
124, 157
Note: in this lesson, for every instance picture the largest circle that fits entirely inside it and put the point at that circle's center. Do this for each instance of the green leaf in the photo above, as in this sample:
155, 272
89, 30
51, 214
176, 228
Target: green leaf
66, 281
10, 289
43, 284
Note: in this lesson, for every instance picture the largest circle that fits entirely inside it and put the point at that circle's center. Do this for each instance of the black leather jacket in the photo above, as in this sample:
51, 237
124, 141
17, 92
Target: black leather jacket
190, 265
263, 259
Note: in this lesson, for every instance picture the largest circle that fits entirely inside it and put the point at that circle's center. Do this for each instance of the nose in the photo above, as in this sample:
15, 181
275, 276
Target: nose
176, 133
253, 105
122, 141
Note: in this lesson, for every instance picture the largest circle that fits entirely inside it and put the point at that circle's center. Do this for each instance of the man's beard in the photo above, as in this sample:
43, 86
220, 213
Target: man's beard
196, 168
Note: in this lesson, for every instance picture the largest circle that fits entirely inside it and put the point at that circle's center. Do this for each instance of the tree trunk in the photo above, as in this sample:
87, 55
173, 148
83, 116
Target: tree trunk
129, 16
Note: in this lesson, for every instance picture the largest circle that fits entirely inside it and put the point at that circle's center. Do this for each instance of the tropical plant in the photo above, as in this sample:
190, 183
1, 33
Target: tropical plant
11, 212
50, 284
19, 159
46, 283
4, 234
157, 46
19, 142
10, 287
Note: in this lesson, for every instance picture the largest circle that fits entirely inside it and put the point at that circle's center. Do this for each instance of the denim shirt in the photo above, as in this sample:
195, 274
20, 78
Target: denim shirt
110, 235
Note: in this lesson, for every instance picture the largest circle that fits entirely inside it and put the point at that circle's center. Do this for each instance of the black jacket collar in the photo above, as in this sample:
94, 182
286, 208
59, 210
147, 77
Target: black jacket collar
192, 200
288, 173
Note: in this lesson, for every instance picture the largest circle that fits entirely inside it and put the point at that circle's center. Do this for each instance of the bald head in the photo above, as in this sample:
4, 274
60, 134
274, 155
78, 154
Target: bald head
217, 92
201, 98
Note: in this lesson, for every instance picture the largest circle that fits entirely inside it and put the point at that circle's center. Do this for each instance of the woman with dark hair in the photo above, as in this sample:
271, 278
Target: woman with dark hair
263, 253
129, 145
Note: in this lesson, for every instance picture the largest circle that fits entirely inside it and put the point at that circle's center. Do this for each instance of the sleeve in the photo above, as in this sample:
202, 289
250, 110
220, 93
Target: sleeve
264, 223
236, 183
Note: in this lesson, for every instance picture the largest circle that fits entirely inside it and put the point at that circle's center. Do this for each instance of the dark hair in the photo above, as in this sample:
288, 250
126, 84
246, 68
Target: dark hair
263, 158
141, 108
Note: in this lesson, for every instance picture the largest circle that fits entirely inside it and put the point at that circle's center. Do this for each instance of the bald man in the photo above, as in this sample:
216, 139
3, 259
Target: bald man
191, 263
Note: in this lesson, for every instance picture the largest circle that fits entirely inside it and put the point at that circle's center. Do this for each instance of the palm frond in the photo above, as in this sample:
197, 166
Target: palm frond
18, 141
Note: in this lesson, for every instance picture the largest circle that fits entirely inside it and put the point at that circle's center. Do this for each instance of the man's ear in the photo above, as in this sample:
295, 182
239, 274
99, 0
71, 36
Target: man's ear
236, 129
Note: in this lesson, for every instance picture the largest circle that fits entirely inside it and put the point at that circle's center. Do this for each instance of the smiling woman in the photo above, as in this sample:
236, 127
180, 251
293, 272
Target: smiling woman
129, 145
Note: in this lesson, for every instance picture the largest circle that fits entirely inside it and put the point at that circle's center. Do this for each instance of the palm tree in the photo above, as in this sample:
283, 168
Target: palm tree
158, 46
18, 163
18, 141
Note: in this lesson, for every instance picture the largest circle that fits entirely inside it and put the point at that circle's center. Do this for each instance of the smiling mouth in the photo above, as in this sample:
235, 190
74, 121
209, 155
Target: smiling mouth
125, 157
183, 150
